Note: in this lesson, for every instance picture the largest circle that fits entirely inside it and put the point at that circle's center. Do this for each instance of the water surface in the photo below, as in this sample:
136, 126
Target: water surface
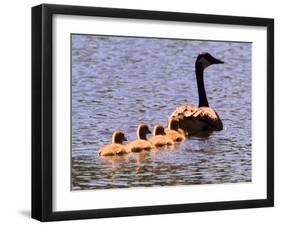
118, 82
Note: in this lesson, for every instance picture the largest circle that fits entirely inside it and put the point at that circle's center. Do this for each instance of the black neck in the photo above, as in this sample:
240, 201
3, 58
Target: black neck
203, 101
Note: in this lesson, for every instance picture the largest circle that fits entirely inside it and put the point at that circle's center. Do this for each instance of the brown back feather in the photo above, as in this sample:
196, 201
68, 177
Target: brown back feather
205, 114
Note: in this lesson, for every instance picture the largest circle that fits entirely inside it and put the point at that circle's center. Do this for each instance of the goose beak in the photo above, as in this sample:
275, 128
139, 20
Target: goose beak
125, 139
217, 61
148, 131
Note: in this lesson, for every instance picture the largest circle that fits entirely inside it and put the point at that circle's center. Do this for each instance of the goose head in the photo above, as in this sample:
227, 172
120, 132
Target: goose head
206, 59
118, 137
158, 130
142, 131
174, 124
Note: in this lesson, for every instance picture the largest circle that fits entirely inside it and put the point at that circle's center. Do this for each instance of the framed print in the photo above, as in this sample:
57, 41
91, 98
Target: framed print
145, 112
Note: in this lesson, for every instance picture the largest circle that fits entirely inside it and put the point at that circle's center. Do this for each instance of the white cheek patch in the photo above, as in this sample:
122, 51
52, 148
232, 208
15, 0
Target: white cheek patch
205, 63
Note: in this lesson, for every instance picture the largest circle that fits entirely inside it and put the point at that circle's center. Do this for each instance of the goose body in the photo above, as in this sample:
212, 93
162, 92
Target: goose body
140, 144
174, 132
159, 138
197, 120
116, 147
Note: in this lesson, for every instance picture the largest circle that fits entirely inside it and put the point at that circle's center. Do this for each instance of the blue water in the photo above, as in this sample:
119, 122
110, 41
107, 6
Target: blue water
118, 82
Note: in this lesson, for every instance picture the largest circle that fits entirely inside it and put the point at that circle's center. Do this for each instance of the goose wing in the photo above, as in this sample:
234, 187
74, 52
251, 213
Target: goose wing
186, 111
209, 116
205, 114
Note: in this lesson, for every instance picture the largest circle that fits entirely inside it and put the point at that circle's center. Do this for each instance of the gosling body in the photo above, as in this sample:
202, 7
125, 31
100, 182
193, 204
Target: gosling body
159, 138
116, 147
174, 132
140, 144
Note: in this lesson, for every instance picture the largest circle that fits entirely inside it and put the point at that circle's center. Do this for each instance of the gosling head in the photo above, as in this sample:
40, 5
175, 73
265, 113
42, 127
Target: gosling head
142, 131
158, 130
118, 137
206, 59
173, 124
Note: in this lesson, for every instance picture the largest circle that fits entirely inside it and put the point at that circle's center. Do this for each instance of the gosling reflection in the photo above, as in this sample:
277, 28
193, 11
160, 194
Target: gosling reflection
114, 160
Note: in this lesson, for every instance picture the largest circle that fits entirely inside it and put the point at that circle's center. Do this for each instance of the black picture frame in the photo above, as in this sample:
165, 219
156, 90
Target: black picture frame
42, 107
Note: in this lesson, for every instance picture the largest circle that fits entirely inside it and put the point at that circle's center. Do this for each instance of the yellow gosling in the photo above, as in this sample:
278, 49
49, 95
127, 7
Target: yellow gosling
174, 132
159, 138
141, 144
116, 147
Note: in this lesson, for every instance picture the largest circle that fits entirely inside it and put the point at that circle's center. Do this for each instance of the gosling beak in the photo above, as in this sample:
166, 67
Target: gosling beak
125, 139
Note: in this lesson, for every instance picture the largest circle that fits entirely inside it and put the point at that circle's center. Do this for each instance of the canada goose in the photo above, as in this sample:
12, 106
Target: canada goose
174, 132
193, 119
141, 144
159, 138
116, 147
